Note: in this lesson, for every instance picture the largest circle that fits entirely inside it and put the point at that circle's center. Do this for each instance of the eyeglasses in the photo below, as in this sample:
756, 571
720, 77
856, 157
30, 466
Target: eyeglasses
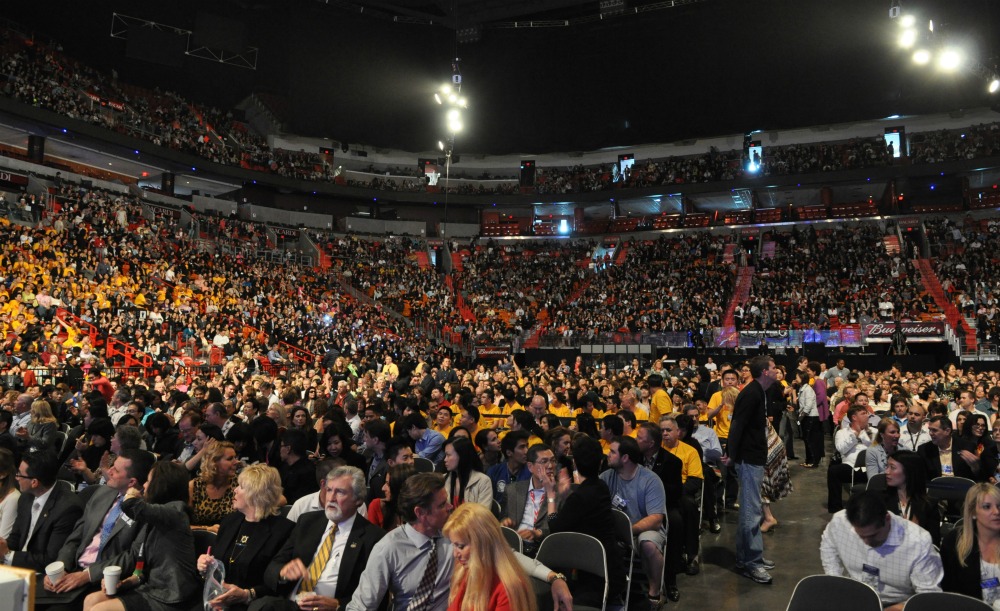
19, 476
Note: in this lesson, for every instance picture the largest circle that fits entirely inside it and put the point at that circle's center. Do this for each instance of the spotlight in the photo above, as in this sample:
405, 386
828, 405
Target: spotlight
440, 145
908, 38
437, 99
463, 102
921, 57
907, 21
446, 89
949, 60
994, 85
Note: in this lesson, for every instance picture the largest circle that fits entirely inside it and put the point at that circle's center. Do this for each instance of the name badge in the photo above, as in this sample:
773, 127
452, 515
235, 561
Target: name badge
947, 470
618, 502
126, 519
992, 582
870, 576
870, 570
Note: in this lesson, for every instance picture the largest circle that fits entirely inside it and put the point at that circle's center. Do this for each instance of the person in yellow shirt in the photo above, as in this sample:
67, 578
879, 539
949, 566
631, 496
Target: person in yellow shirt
444, 420
693, 478
488, 409
630, 404
659, 401
723, 418
591, 404
630, 423
559, 406
611, 427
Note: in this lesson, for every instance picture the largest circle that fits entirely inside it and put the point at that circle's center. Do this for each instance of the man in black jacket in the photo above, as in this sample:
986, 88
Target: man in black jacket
353, 540
669, 468
950, 455
748, 452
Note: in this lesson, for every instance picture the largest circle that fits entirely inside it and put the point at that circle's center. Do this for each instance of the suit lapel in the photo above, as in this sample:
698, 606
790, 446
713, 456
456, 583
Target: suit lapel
43, 517
350, 556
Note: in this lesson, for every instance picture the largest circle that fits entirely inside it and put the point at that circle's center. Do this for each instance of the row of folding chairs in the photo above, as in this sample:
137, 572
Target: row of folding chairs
835, 593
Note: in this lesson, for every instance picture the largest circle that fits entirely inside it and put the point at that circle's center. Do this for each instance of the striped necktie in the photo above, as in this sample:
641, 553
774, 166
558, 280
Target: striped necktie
319, 562
424, 596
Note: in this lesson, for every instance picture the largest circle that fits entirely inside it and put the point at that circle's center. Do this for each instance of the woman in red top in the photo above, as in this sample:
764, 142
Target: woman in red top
486, 577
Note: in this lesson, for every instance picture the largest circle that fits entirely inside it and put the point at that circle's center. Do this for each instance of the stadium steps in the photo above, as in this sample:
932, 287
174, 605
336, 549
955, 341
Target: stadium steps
622, 253
741, 292
463, 307
891, 243
728, 255
456, 263
423, 259
933, 286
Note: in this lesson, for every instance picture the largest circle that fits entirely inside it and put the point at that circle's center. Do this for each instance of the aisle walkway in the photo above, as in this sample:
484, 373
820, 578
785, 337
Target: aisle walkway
793, 546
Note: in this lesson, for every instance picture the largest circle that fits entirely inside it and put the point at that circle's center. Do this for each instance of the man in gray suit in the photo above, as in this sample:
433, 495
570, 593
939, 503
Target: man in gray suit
102, 533
526, 502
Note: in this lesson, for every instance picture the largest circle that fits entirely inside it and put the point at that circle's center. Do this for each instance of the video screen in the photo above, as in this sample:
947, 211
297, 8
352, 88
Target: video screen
895, 138
755, 155
624, 167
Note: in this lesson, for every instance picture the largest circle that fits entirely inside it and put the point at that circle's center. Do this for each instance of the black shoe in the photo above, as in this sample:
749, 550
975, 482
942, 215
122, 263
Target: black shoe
715, 527
693, 567
673, 593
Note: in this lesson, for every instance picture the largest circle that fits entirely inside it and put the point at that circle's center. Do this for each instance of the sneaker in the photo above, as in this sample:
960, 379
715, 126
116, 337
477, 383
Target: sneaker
766, 564
715, 527
759, 575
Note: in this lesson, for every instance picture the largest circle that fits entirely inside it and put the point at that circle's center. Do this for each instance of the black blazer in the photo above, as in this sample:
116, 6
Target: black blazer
55, 523
670, 468
299, 479
962, 580
304, 542
122, 534
247, 570
987, 465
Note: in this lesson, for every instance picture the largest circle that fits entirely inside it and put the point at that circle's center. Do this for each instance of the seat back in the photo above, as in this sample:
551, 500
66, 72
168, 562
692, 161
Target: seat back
833, 593
203, 539
623, 533
423, 465
513, 539
933, 601
568, 551
949, 488
877, 482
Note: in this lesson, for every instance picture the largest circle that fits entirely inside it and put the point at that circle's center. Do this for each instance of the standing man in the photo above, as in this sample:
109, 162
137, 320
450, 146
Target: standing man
850, 442
748, 452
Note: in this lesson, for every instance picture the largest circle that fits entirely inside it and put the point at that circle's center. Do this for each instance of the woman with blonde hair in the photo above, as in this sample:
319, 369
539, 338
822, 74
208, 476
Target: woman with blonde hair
970, 553
249, 537
487, 577
212, 491
41, 428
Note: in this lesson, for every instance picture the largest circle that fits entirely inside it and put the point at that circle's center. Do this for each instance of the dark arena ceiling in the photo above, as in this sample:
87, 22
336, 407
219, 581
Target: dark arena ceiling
546, 75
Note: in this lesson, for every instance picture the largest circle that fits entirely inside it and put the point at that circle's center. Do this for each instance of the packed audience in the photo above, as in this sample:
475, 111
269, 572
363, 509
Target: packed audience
41, 75
830, 278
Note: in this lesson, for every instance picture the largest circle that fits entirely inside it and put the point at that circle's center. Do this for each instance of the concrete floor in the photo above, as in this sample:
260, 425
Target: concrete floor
793, 546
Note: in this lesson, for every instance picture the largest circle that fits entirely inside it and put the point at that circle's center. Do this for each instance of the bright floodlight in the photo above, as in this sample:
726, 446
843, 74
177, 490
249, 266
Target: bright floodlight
908, 38
921, 57
453, 115
563, 227
463, 102
455, 126
994, 85
907, 21
446, 89
440, 145
437, 98
949, 59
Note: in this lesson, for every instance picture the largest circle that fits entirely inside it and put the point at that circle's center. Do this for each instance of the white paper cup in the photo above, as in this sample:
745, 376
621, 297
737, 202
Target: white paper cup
111, 576
55, 571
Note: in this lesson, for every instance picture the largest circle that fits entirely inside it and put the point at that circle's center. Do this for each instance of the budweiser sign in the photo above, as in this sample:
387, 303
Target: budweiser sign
910, 329
13, 179
493, 352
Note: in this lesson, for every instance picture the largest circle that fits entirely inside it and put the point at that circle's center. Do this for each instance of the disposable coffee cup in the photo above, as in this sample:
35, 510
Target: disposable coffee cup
111, 576
55, 571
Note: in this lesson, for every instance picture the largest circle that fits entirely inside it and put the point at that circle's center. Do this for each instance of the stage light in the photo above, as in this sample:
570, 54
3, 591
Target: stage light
908, 38
907, 21
446, 89
440, 145
949, 60
437, 99
563, 227
921, 57
994, 85
463, 102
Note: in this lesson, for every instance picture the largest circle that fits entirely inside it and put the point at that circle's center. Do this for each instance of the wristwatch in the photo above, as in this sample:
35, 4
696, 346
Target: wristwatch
555, 576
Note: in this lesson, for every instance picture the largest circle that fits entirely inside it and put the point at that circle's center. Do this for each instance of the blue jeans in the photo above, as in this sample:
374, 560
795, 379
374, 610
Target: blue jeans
749, 541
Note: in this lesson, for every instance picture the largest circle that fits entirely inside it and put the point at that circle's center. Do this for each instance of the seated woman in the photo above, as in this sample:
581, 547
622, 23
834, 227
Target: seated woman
906, 495
486, 575
883, 446
41, 428
300, 420
488, 443
465, 480
212, 491
205, 438
382, 511
249, 537
337, 442
970, 553
161, 563
92, 454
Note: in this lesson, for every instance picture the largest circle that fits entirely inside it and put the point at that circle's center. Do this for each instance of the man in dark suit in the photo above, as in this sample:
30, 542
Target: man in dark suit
353, 540
298, 473
961, 459
669, 468
46, 514
526, 504
100, 535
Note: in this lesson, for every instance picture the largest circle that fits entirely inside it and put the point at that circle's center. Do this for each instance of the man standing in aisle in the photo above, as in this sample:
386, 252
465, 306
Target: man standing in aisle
748, 452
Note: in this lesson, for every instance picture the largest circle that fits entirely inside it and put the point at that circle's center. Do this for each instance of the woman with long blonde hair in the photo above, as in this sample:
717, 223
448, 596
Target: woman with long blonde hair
487, 577
970, 553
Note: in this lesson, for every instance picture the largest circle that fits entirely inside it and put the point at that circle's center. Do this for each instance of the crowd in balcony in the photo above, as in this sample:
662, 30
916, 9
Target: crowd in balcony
41, 75
827, 279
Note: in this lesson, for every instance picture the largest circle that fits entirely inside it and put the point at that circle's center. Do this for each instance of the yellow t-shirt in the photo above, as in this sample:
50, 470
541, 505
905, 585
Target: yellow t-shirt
660, 404
724, 418
689, 457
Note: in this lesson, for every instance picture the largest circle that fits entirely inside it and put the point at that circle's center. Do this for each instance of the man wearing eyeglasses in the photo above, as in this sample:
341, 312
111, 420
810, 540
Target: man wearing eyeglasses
527, 504
46, 514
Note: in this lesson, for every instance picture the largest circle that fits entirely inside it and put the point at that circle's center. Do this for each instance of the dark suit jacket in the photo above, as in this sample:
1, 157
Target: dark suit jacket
305, 541
669, 468
247, 571
299, 479
122, 534
55, 523
929, 452
517, 499
956, 578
